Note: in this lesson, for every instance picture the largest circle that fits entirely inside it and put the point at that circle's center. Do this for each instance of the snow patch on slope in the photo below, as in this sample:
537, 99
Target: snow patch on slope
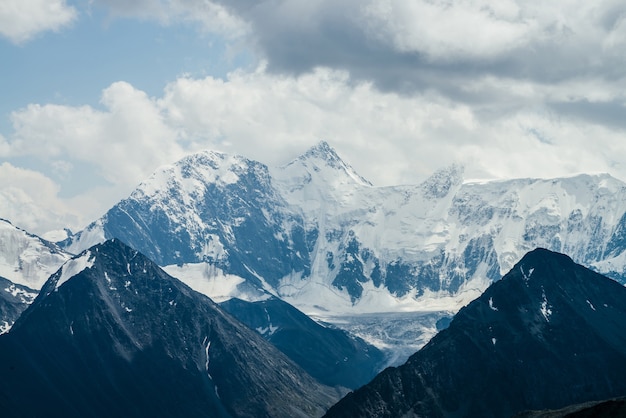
74, 267
87, 238
211, 281
25, 296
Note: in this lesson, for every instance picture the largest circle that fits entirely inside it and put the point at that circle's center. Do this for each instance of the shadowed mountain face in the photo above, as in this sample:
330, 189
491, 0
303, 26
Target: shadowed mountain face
111, 334
551, 333
330, 355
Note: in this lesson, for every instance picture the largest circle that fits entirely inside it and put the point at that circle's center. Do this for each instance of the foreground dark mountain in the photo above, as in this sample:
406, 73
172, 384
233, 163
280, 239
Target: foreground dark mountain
549, 334
330, 355
111, 334
612, 408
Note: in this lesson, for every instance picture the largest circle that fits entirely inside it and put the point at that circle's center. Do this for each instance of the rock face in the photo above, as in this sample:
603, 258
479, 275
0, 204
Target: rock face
330, 355
318, 235
551, 333
111, 334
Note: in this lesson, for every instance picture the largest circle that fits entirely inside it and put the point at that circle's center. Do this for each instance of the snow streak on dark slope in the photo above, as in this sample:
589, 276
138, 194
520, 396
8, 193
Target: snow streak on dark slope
111, 334
551, 333
330, 355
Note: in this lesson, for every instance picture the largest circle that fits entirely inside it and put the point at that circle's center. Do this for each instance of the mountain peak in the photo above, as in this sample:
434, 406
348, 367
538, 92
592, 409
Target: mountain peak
123, 333
554, 340
322, 150
321, 157
541, 263
439, 184
101, 257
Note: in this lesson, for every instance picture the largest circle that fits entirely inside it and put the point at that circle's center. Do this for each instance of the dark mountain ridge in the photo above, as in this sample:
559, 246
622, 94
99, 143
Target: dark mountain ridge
551, 333
111, 334
330, 355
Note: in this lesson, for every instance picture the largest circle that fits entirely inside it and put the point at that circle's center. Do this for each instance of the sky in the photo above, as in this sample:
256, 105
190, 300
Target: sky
97, 94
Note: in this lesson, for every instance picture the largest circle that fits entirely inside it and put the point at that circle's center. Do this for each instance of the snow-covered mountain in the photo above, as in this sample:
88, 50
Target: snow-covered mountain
27, 259
321, 237
551, 333
111, 334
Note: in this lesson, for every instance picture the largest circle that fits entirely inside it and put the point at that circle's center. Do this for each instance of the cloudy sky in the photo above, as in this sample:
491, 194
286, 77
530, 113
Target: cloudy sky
96, 94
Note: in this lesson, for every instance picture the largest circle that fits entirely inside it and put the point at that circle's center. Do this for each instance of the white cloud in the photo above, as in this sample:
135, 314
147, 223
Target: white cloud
389, 138
124, 141
443, 29
21, 20
30, 201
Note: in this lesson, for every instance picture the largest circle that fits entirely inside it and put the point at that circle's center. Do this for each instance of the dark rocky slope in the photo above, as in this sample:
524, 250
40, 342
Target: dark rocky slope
551, 333
111, 334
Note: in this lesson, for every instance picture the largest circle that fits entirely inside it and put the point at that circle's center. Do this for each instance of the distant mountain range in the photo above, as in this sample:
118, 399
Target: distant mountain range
111, 334
317, 235
321, 237
551, 333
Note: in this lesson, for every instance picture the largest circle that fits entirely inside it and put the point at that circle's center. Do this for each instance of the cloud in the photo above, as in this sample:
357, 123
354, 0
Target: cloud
473, 52
30, 201
210, 16
443, 30
416, 46
389, 138
22, 20
123, 141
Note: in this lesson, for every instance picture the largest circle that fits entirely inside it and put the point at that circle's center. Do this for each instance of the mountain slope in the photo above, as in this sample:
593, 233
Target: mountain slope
208, 207
111, 334
330, 355
551, 333
26, 259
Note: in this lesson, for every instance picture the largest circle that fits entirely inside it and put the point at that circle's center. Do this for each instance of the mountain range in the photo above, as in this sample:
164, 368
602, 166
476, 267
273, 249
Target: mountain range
377, 270
319, 236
